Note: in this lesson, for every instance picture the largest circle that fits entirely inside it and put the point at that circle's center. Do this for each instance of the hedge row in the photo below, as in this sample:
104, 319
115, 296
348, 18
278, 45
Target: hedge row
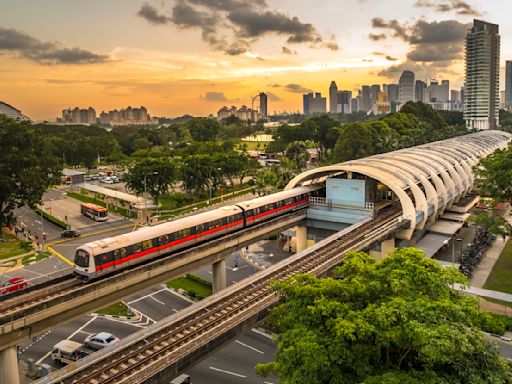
198, 280
52, 219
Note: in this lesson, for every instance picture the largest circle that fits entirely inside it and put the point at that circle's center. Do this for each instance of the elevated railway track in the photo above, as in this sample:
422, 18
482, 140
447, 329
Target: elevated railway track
157, 353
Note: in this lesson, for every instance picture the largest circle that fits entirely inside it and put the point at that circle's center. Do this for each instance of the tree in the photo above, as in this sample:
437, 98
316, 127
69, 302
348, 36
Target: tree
156, 184
297, 153
27, 167
266, 181
493, 175
355, 141
203, 129
495, 224
393, 321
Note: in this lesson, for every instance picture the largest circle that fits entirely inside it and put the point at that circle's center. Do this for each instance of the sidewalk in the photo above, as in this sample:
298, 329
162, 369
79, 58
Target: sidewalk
484, 269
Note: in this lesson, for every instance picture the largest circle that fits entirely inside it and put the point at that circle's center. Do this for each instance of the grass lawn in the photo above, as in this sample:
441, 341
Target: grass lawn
37, 257
195, 286
116, 309
11, 246
255, 145
500, 278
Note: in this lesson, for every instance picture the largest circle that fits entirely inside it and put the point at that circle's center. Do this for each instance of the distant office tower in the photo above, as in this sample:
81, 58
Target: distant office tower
439, 93
420, 91
481, 98
354, 105
454, 96
263, 104
508, 84
333, 97
344, 98
374, 92
366, 103
406, 87
314, 103
392, 93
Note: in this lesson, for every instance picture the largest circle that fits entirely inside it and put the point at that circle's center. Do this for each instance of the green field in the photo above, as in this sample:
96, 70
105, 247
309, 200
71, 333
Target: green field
11, 246
500, 278
116, 309
254, 145
195, 286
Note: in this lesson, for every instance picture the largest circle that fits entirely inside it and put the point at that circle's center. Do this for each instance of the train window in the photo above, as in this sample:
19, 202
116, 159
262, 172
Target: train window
224, 220
200, 228
123, 252
192, 230
137, 247
117, 253
186, 232
164, 239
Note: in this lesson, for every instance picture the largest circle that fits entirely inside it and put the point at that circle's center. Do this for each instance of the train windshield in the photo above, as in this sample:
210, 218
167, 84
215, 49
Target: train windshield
82, 258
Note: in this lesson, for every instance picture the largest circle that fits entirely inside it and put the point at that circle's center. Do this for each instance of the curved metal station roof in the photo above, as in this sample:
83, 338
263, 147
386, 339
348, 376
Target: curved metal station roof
433, 175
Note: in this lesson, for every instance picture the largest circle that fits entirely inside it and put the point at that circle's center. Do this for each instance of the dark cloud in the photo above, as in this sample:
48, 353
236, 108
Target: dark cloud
392, 25
273, 97
377, 37
296, 88
48, 53
391, 58
214, 96
151, 14
460, 7
232, 26
288, 51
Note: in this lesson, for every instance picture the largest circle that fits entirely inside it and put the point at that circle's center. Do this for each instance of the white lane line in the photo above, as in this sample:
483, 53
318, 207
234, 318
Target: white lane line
158, 301
228, 372
267, 382
264, 334
146, 296
87, 333
37, 221
175, 310
250, 347
123, 322
68, 338
180, 296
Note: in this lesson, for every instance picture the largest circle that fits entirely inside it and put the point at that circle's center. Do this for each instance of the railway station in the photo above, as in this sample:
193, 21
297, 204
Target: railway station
375, 204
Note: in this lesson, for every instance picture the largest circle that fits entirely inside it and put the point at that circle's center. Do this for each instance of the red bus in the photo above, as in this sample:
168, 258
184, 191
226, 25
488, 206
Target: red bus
94, 211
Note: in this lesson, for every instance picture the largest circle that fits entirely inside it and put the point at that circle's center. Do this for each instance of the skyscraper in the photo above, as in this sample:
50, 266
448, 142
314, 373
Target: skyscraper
406, 87
420, 91
374, 92
508, 84
263, 104
365, 99
333, 97
314, 103
481, 89
392, 93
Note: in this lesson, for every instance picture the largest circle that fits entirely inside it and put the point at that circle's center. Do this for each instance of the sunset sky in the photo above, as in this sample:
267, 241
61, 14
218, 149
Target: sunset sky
194, 56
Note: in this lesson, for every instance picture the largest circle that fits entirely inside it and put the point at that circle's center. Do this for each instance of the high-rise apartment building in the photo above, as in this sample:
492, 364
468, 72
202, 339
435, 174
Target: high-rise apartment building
392, 93
354, 105
314, 103
366, 103
481, 88
78, 116
420, 91
406, 87
439, 93
508, 84
333, 97
263, 104
374, 93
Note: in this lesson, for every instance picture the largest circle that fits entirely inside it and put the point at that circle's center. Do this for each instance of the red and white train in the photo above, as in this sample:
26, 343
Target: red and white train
112, 254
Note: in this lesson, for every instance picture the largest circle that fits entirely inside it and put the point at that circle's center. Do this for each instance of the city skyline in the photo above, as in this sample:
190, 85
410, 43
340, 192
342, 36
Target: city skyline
164, 56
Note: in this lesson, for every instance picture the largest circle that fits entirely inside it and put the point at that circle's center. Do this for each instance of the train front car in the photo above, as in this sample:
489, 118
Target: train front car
266, 207
83, 267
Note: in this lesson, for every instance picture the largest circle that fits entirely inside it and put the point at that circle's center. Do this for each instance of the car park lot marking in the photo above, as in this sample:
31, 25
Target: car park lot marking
228, 372
248, 346
59, 255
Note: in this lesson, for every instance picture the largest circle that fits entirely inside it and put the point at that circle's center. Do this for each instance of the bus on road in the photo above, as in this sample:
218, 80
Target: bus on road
94, 211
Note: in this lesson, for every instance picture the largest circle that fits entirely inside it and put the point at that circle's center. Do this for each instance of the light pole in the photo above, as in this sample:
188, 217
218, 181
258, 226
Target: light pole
145, 193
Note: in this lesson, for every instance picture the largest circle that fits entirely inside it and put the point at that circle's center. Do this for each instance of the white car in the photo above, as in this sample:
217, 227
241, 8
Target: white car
100, 340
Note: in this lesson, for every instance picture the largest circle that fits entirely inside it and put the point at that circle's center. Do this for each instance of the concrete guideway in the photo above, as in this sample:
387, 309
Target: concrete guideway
16, 326
207, 325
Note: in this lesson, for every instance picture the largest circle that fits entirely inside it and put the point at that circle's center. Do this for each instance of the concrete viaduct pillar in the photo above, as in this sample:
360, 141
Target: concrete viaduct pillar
386, 247
9, 366
219, 275
301, 238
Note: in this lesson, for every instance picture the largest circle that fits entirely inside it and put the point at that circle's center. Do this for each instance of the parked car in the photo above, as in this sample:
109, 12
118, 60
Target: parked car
108, 180
13, 285
94, 176
100, 340
70, 233
115, 179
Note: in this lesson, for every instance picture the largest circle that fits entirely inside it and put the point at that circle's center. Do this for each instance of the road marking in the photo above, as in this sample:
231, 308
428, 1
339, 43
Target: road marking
146, 296
37, 221
179, 295
248, 346
228, 372
68, 338
59, 255
267, 382
158, 301
134, 227
264, 334
175, 310
91, 234
70, 245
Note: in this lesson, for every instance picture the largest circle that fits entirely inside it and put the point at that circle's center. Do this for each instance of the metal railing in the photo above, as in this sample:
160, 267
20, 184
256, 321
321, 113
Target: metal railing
333, 203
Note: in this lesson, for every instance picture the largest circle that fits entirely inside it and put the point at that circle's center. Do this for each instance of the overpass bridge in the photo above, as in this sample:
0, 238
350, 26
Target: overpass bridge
425, 181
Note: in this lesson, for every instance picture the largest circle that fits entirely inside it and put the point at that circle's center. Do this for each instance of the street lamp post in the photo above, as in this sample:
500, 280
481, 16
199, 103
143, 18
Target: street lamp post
145, 193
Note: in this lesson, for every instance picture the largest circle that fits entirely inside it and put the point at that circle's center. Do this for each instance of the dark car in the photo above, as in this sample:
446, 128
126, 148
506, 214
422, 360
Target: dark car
13, 285
70, 233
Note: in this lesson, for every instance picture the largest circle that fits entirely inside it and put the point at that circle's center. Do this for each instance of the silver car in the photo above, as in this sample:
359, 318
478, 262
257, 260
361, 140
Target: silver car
100, 340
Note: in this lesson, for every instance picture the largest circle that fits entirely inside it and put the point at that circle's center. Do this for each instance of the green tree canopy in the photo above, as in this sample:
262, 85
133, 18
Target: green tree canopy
27, 167
393, 321
493, 175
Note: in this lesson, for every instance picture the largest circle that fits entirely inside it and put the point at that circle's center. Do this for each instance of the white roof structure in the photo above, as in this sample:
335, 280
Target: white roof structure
13, 113
429, 177
136, 201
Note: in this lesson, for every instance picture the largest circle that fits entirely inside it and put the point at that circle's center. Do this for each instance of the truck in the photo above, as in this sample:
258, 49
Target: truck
69, 351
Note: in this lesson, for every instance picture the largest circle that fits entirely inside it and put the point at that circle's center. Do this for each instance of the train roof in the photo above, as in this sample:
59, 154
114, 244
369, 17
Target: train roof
161, 229
254, 203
